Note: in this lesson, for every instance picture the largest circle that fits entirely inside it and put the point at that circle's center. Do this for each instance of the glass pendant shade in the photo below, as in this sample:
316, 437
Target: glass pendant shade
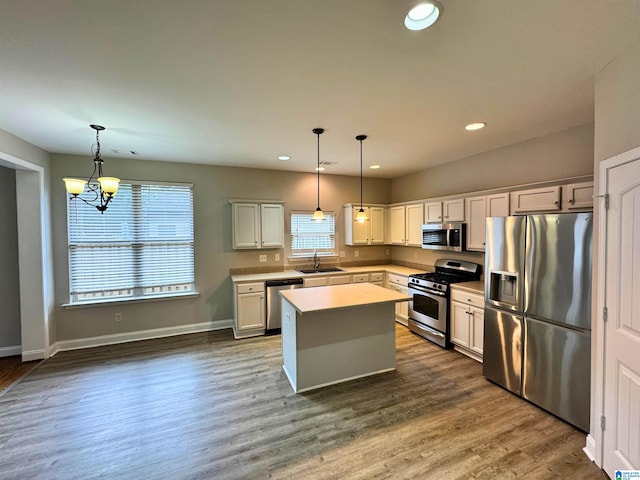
318, 215
361, 216
74, 186
109, 185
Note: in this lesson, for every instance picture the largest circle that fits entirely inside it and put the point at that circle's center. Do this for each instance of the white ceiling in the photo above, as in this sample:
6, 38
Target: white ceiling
230, 82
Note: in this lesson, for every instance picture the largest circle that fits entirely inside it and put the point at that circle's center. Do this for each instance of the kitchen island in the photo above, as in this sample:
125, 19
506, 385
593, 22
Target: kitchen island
337, 333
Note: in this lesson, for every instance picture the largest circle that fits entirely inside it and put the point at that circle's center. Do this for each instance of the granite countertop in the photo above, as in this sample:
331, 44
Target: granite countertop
337, 297
473, 287
262, 277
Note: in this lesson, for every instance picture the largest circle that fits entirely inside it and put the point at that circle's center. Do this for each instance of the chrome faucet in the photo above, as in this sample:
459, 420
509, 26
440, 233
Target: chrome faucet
316, 260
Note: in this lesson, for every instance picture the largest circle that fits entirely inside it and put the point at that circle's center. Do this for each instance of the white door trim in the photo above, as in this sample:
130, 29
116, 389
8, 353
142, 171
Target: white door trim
33, 257
595, 445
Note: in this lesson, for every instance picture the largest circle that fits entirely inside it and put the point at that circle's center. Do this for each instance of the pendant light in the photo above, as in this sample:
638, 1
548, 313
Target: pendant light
106, 187
361, 216
318, 215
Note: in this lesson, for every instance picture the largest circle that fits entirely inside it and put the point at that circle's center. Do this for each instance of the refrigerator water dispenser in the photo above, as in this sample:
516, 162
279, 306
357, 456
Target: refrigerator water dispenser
503, 287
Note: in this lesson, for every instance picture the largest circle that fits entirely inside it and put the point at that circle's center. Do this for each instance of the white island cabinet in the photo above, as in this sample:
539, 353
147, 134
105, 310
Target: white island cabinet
337, 333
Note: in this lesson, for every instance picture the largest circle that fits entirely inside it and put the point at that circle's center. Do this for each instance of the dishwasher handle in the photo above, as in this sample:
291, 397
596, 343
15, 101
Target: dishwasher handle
283, 283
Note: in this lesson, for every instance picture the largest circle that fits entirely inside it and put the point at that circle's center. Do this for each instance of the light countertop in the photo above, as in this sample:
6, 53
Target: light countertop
473, 287
262, 277
306, 300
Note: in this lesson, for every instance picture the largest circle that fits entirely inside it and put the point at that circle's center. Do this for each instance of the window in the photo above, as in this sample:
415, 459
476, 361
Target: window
308, 236
142, 246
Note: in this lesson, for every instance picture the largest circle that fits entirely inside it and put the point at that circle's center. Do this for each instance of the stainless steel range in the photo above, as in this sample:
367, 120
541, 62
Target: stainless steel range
429, 306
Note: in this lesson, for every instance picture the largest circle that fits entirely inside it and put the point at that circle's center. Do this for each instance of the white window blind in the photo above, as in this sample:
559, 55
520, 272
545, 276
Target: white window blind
141, 246
308, 236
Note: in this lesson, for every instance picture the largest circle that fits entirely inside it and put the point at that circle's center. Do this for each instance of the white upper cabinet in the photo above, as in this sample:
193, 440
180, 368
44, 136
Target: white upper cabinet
397, 234
546, 199
406, 225
433, 212
453, 210
476, 219
478, 209
272, 225
498, 205
571, 197
577, 196
257, 225
370, 232
414, 216
445, 211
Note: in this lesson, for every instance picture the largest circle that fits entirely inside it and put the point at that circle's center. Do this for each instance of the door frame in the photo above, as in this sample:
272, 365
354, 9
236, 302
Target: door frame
595, 440
34, 257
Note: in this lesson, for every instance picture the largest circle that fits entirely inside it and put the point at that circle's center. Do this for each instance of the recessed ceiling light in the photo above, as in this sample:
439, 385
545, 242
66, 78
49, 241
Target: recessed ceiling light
374, 167
475, 126
284, 157
423, 15
320, 169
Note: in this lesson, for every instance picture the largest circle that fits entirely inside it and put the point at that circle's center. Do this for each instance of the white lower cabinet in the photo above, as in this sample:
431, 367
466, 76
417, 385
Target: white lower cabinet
399, 284
250, 306
467, 322
316, 282
339, 279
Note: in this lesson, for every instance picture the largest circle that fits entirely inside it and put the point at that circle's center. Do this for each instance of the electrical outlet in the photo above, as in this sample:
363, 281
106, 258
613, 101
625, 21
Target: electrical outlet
263, 258
388, 251
343, 254
277, 257
415, 254
356, 253
117, 317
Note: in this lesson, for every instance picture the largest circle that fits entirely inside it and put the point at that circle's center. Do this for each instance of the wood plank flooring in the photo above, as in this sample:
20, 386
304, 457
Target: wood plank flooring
206, 406
13, 369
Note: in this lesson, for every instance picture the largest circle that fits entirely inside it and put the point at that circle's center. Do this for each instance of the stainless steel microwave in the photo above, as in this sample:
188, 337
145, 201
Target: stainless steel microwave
444, 236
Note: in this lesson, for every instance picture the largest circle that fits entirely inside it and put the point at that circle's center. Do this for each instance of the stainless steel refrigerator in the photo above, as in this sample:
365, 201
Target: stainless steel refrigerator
537, 330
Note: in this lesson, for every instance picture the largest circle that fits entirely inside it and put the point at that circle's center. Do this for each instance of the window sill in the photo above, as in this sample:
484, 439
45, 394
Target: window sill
123, 301
306, 258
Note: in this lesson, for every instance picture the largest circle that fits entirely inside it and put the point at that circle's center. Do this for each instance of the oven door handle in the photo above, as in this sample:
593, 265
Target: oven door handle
427, 292
430, 331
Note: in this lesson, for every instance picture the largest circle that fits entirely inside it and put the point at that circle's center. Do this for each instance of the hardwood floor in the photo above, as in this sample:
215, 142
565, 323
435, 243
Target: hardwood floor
206, 406
12, 369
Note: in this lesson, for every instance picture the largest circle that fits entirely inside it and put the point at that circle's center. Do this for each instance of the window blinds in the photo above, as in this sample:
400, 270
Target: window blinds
308, 235
141, 246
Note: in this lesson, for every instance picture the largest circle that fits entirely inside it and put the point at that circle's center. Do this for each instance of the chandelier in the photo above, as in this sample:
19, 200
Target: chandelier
100, 189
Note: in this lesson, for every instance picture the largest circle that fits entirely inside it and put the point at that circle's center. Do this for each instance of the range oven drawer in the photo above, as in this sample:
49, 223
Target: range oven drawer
429, 333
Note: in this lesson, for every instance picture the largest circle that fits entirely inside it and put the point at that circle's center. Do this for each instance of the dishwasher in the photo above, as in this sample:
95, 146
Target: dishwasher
274, 320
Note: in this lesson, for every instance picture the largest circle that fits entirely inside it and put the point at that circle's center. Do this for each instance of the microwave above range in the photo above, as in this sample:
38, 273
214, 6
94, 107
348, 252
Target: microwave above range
444, 236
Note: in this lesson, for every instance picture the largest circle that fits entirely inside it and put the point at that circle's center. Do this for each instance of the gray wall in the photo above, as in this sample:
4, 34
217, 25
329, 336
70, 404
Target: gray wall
214, 256
617, 116
10, 291
559, 155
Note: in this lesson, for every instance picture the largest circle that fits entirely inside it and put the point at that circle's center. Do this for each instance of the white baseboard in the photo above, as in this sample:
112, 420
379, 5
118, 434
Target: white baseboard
590, 448
10, 351
27, 356
102, 340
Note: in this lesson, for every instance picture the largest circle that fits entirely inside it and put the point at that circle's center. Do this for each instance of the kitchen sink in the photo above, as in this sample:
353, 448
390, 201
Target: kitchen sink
321, 270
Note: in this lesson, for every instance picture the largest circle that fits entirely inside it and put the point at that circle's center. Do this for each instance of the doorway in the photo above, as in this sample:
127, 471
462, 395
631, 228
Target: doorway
34, 257
618, 304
